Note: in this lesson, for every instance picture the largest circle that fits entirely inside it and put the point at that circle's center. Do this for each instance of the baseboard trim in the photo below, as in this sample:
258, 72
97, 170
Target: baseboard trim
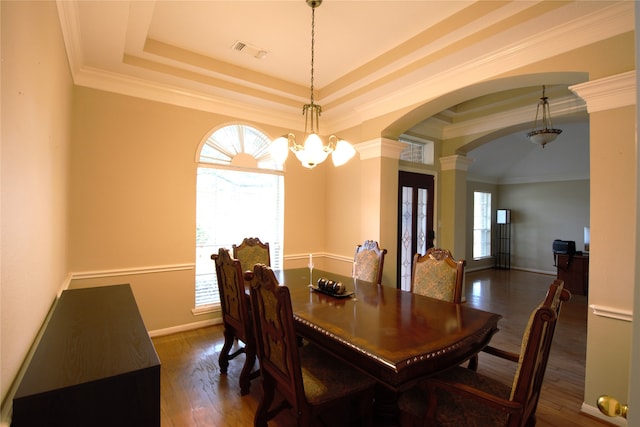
594, 412
184, 328
529, 270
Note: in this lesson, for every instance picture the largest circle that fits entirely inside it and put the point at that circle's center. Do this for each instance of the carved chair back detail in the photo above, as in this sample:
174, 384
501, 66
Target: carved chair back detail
368, 262
438, 275
251, 252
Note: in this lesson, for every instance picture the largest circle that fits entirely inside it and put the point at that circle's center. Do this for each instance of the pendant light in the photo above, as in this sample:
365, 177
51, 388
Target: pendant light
314, 151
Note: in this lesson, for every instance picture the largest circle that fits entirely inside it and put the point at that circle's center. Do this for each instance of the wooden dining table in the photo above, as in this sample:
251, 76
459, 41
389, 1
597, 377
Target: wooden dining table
395, 336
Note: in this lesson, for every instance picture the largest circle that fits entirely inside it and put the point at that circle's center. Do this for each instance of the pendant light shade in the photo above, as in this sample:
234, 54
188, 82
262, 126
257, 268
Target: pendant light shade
545, 133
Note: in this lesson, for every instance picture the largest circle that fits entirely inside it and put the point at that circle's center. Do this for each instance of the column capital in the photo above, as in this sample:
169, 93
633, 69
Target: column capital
609, 92
455, 162
381, 147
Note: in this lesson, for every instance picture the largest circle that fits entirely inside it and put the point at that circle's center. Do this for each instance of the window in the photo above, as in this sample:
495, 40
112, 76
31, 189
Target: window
240, 193
417, 151
481, 224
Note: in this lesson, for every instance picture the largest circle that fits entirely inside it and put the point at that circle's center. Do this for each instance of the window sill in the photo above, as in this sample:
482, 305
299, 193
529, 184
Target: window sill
206, 309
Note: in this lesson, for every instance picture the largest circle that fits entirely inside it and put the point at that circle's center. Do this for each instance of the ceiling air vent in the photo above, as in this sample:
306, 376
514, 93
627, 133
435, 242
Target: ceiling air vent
248, 49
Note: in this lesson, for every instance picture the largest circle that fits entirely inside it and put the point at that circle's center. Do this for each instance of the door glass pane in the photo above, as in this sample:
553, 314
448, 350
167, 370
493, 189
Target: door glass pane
422, 220
406, 257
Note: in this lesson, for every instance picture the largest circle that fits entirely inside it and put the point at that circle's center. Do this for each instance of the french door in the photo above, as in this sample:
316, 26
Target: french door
415, 221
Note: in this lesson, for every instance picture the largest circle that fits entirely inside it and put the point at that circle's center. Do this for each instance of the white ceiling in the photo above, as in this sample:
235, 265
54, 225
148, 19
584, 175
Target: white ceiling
372, 58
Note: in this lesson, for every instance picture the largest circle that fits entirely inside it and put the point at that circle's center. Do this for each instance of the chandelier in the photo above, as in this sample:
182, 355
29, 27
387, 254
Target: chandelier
314, 151
546, 133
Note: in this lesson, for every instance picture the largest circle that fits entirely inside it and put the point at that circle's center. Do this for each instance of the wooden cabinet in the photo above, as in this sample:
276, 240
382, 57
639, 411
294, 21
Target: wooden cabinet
94, 366
574, 270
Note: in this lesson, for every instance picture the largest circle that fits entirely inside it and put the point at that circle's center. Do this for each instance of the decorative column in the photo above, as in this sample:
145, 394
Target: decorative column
611, 103
453, 208
380, 160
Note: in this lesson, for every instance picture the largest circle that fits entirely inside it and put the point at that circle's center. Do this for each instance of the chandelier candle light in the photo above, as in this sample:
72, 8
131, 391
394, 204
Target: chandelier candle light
546, 133
313, 151
310, 265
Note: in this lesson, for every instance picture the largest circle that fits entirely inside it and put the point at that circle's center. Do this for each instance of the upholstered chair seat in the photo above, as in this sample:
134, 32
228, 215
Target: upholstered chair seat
469, 412
326, 378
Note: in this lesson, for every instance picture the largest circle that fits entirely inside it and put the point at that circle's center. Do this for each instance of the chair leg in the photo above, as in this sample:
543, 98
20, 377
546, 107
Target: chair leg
246, 375
223, 360
262, 412
365, 408
473, 363
531, 422
304, 419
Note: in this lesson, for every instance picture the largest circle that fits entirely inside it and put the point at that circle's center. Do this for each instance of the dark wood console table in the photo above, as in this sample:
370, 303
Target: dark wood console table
94, 366
574, 270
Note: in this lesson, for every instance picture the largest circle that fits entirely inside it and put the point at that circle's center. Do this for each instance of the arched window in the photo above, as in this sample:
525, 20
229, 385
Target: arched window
240, 193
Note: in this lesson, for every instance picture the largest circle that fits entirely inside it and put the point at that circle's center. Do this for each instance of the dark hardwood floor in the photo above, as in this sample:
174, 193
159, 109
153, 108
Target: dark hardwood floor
194, 394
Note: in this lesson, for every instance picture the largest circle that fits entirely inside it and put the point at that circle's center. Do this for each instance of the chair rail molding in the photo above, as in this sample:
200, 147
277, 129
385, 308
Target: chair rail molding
132, 271
611, 312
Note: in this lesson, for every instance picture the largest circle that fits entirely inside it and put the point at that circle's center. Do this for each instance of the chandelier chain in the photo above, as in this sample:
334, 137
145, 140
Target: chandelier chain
313, 34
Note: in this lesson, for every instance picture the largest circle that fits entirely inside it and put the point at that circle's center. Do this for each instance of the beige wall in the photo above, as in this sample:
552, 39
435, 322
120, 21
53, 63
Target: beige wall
540, 213
133, 202
36, 117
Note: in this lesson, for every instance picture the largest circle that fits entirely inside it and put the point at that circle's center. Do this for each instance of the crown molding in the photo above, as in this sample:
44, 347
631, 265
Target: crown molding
561, 107
580, 32
477, 63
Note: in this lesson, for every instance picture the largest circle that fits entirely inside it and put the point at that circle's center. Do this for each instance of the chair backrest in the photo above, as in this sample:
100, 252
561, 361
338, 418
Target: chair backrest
251, 252
276, 341
368, 261
235, 310
438, 275
534, 352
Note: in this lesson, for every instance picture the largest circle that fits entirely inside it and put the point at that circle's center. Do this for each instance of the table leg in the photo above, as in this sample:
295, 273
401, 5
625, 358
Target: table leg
387, 413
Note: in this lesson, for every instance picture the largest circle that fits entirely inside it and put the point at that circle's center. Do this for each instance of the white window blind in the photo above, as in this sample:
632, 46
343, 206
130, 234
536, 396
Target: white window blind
481, 224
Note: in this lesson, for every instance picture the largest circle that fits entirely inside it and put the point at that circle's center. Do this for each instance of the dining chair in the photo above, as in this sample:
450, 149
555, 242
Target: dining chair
236, 318
251, 252
438, 275
309, 381
463, 397
368, 262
